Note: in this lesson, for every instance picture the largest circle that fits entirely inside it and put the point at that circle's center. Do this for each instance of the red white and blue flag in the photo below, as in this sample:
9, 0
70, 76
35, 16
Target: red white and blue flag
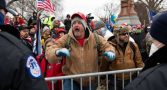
46, 5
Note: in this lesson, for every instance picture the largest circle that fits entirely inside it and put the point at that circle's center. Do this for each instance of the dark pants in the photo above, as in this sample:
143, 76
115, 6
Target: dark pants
119, 83
76, 86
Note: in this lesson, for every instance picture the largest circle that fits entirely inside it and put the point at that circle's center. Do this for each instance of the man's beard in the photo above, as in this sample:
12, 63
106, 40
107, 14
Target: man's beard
123, 41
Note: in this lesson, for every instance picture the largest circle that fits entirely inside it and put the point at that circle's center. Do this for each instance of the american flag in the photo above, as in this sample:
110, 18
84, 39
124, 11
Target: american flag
46, 5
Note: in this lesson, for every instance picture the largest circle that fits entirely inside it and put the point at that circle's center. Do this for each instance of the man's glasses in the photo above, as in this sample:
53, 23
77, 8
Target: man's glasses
124, 34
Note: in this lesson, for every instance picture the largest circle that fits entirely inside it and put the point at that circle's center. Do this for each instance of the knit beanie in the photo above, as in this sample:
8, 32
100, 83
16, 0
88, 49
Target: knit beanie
158, 28
79, 19
45, 28
98, 24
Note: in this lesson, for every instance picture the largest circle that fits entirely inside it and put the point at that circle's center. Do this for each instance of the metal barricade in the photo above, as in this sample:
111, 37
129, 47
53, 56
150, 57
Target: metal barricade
98, 74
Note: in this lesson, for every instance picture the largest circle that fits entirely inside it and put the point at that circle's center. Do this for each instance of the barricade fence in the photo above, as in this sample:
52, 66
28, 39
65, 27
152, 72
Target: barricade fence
105, 75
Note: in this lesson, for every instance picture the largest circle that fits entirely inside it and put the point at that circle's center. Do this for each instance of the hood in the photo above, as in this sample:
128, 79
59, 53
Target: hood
87, 33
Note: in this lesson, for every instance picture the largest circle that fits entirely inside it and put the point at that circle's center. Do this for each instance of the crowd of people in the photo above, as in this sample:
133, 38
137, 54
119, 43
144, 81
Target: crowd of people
78, 45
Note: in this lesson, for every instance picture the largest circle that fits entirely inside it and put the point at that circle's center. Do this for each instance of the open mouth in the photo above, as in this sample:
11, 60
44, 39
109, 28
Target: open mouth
77, 30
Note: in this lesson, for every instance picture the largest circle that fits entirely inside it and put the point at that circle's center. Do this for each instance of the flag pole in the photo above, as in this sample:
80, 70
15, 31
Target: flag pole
39, 44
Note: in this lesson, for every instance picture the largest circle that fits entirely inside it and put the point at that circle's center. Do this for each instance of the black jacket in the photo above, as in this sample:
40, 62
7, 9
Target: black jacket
19, 70
67, 23
154, 74
32, 20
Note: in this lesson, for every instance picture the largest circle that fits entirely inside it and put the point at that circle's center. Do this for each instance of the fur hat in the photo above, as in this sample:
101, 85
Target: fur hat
158, 28
121, 30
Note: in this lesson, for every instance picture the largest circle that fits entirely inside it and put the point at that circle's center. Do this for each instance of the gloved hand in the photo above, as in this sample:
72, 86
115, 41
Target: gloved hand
63, 52
110, 55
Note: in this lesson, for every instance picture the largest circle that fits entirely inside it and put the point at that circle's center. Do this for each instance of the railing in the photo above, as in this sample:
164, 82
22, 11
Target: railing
98, 74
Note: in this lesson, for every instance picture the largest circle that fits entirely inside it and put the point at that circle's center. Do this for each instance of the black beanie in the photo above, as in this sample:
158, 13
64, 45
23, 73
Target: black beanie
158, 28
22, 27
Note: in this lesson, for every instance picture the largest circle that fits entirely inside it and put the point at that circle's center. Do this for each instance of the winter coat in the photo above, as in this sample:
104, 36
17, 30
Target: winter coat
51, 70
49, 22
67, 23
154, 74
32, 20
130, 58
83, 59
27, 42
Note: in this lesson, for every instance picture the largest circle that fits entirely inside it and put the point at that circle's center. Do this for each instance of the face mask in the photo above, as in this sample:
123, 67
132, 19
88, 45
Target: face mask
153, 49
1, 19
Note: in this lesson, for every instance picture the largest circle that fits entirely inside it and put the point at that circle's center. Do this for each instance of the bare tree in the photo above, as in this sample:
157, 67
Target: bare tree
153, 4
59, 8
142, 5
140, 8
109, 9
26, 7
10, 2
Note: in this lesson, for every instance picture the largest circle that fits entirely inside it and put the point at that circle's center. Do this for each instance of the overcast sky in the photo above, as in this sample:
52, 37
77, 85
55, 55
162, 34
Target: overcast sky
85, 6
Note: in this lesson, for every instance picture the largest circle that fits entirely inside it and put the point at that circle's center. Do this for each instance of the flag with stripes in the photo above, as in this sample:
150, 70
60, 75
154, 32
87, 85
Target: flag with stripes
46, 5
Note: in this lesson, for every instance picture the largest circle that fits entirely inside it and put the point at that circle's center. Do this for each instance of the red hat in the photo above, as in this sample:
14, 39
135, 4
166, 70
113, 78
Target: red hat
80, 15
60, 30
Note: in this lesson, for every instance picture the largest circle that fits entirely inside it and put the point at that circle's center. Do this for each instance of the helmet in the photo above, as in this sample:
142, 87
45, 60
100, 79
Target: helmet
80, 15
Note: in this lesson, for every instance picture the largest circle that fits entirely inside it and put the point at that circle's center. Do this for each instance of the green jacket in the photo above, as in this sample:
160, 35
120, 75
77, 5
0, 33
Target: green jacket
48, 22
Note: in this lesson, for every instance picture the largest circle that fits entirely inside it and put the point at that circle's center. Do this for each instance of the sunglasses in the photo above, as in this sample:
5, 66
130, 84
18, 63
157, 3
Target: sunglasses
124, 34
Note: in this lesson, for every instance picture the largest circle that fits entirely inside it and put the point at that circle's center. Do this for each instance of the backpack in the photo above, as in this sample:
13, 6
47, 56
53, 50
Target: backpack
132, 46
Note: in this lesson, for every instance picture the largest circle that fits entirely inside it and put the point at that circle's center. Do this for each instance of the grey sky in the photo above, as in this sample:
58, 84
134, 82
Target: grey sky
85, 6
